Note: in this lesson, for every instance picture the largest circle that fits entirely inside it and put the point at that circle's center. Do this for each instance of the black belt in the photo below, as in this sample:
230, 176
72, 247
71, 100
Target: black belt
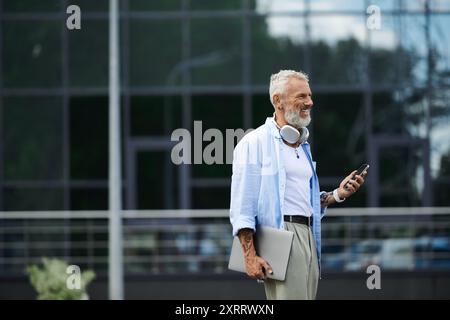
307, 221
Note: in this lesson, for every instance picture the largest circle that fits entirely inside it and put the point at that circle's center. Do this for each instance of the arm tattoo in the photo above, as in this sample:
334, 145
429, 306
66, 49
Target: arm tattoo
246, 238
326, 199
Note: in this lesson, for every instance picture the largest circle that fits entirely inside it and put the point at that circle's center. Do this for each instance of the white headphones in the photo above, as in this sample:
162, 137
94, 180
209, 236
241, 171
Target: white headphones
291, 135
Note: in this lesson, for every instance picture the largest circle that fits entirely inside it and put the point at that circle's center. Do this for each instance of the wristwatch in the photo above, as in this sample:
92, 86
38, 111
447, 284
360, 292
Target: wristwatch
336, 196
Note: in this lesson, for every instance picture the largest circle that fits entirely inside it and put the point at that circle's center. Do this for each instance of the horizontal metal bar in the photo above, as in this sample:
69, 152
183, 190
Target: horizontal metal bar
220, 258
194, 90
128, 244
127, 259
388, 211
214, 213
54, 215
10, 92
149, 230
58, 91
185, 213
205, 14
136, 227
221, 244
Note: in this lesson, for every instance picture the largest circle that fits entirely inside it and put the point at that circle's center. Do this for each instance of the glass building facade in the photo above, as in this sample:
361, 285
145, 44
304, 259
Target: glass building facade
381, 96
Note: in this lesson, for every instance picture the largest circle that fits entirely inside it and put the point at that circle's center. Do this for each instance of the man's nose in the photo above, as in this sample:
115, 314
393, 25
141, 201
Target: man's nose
309, 103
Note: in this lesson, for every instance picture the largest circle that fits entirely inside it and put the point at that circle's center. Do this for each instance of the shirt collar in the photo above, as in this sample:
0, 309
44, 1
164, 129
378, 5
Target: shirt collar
272, 127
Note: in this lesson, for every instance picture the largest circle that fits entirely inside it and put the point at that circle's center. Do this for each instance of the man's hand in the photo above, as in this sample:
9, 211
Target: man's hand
349, 186
255, 266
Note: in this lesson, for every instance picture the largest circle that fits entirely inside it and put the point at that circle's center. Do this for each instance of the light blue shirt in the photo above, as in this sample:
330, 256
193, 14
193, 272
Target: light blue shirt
259, 180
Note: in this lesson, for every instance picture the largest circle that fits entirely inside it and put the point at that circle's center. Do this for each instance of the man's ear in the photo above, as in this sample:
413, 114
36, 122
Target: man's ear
277, 101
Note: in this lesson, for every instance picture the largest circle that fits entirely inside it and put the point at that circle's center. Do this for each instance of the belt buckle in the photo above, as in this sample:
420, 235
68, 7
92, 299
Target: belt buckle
290, 219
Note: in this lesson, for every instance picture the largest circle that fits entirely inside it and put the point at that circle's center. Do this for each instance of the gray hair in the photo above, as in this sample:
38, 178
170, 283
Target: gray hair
279, 80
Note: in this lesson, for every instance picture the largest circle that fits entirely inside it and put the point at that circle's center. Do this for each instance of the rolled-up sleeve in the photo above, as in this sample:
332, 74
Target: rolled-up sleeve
245, 186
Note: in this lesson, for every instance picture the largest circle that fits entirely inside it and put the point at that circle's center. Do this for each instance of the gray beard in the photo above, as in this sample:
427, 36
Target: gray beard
292, 117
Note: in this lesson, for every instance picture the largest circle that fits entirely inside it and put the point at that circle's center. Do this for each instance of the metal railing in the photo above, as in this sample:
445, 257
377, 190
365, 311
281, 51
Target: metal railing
193, 241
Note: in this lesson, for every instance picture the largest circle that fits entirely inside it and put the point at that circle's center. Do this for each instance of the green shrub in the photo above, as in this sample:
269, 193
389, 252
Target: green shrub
50, 282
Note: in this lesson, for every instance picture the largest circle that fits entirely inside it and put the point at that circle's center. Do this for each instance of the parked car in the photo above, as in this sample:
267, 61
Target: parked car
397, 254
333, 257
390, 254
363, 254
386, 253
432, 252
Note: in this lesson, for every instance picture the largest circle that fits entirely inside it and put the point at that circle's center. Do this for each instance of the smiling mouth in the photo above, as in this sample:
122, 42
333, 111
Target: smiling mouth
305, 113
305, 110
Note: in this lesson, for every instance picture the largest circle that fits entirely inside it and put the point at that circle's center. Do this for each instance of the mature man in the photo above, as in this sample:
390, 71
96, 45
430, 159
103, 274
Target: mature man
275, 184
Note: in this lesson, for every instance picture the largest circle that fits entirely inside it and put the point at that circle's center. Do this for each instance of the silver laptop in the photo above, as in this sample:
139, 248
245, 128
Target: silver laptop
273, 245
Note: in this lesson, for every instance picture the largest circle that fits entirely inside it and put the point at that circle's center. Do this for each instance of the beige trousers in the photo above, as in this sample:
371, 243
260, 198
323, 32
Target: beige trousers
302, 275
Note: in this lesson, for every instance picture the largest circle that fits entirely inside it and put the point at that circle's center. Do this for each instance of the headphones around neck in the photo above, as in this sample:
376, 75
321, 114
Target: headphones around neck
291, 135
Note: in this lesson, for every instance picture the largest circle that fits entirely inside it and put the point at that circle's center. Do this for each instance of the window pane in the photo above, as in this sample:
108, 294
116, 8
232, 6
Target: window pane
441, 190
26, 199
155, 55
438, 6
33, 138
219, 112
401, 177
440, 99
155, 115
157, 181
216, 51
261, 109
417, 5
401, 112
414, 46
92, 38
440, 133
276, 43
88, 199
89, 138
31, 5
392, 60
211, 198
338, 133
440, 40
34, 58
337, 49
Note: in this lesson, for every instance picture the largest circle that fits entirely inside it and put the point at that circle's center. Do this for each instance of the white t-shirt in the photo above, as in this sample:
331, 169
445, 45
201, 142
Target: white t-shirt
297, 198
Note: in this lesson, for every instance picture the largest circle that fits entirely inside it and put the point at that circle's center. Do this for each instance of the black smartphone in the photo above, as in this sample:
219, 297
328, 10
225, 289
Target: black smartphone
361, 169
